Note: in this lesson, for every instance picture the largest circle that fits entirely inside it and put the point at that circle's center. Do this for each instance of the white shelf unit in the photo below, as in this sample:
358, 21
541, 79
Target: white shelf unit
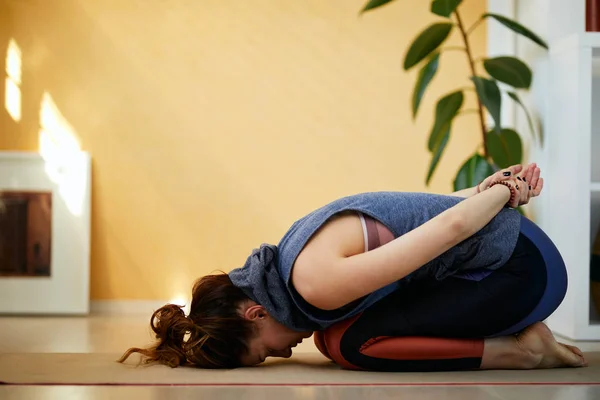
572, 143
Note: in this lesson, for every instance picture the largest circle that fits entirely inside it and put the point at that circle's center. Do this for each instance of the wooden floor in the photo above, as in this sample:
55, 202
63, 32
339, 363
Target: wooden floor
110, 334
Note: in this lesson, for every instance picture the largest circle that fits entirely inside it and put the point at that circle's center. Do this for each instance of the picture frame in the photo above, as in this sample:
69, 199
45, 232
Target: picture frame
53, 196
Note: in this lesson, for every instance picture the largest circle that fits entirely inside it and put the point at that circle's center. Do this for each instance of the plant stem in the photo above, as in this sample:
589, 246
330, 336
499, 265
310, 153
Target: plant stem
475, 25
472, 66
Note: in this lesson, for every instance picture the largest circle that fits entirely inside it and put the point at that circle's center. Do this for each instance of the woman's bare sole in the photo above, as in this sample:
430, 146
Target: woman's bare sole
534, 348
538, 340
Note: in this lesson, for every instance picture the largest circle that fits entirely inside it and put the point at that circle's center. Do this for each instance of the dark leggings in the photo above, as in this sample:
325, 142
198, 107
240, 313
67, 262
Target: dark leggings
432, 325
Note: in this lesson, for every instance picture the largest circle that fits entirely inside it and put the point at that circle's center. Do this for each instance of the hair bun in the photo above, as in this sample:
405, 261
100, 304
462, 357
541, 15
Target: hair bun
174, 308
169, 321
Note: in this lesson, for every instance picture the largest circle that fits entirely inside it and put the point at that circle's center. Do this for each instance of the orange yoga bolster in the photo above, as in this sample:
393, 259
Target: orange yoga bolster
422, 348
396, 348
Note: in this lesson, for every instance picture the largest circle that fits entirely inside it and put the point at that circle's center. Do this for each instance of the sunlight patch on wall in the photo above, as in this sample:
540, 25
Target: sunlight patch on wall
12, 95
65, 163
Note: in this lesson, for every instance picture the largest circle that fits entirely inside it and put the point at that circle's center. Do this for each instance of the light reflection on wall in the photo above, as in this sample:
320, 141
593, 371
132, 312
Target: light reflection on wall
12, 95
182, 301
65, 163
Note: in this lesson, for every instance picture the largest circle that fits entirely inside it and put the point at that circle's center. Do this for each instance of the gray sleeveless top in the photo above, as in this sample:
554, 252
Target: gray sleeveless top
265, 277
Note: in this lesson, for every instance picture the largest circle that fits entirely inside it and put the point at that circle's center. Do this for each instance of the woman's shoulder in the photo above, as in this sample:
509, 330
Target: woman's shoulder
385, 206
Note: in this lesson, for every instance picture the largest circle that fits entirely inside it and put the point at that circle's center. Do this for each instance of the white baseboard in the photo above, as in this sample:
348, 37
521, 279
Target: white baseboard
126, 307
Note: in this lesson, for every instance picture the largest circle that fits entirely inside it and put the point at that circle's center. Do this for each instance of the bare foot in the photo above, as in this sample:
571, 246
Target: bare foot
538, 341
573, 349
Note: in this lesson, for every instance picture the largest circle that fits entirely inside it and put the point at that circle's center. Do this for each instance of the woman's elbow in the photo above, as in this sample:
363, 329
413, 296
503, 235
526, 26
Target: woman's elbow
314, 283
320, 297
321, 300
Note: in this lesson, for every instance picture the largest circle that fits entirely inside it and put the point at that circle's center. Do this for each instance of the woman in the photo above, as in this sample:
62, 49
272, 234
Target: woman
389, 281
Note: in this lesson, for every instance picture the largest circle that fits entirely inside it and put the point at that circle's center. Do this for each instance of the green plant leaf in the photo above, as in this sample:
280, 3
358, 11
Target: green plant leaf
425, 76
489, 94
374, 4
445, 111
509, 70
518, 28
444, 8
438, 149
472, 172
516, 98
426, 42
505, 148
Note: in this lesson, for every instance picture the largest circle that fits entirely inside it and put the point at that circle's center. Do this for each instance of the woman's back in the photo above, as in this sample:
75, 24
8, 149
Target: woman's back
402, 212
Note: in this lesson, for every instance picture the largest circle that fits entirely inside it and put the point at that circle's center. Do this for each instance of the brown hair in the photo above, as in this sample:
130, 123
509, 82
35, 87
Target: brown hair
218, 333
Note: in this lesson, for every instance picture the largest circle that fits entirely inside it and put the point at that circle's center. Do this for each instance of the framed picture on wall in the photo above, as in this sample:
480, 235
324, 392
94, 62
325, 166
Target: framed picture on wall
44, 234
25, 233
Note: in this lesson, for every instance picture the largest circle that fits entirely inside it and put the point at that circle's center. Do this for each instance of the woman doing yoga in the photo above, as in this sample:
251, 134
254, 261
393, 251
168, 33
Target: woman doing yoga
387, 281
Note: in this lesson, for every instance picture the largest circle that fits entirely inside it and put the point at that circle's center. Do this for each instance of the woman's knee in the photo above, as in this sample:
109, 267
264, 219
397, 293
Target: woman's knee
333, 343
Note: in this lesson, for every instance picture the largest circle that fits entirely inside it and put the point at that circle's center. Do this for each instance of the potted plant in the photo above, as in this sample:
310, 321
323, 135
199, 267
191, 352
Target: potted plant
500, 146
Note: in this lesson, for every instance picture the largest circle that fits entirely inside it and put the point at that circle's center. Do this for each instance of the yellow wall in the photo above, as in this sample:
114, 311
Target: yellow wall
214, 124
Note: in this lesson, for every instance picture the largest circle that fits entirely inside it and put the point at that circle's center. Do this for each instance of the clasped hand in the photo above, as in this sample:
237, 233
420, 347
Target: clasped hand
525, 183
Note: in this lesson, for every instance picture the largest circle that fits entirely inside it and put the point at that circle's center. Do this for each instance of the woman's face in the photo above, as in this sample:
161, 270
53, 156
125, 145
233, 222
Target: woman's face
272, 339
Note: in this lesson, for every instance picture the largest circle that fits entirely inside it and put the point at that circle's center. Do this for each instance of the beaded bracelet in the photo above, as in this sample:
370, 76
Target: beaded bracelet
478, 190
513, 192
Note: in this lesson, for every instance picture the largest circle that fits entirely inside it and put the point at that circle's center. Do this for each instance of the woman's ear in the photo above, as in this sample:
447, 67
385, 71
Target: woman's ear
255, 312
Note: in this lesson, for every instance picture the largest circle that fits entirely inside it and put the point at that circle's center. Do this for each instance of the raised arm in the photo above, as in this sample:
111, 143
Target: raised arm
350, 278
